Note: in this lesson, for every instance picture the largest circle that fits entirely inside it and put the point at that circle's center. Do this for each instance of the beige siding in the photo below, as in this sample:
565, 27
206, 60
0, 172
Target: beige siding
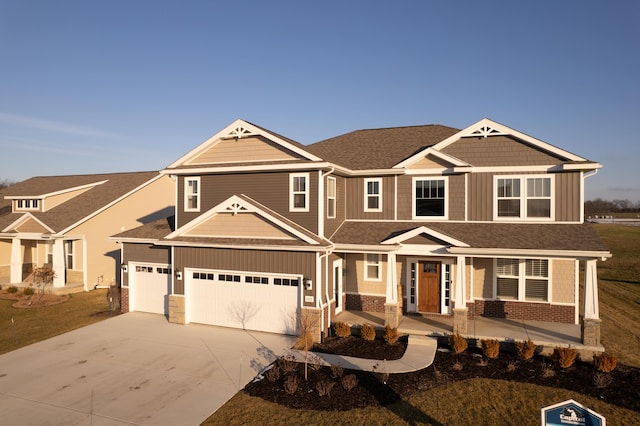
51, 202
563, 281
330, 225
355, 281
355, 199
31, 226
5, 252
103, 255
482, 278
568, 206
498, 151
429, 162
253, 148
241, 225
270, 189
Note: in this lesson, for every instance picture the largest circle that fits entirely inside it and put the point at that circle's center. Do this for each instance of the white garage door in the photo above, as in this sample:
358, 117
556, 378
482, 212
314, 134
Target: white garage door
149, 285
253, 301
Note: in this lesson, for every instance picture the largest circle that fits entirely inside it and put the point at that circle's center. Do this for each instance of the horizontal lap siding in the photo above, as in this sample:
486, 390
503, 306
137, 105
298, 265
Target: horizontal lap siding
270, 189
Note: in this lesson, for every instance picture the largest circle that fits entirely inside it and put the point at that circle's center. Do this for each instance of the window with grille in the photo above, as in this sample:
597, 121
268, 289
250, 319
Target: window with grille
522, 279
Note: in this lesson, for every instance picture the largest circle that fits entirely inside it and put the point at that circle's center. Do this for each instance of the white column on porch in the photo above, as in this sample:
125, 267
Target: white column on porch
58, 263
392, 279
460, 295
16, 261
591, 310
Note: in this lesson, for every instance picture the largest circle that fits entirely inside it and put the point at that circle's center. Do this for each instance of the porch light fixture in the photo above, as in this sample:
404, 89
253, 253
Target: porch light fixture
308, 284
124, 268
179, 275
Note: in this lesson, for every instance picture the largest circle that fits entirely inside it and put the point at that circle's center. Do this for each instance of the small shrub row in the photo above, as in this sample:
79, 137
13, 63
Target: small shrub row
565, 357
342, 329
368, 332
490, 348
525, 349
458, 343
604, 362
12, 289
391, 335
28, 291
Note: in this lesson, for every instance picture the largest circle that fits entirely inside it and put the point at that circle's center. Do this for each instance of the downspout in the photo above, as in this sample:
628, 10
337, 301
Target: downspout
326, 288
582, 200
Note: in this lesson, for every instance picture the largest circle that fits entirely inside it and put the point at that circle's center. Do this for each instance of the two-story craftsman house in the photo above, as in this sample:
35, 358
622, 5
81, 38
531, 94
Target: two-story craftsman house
484, 221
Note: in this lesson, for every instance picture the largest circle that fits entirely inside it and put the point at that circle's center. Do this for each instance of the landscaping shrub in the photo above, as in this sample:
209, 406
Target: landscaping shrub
273, 374
490, 348
458, 343
337, 371
368, 332
349, 382
324, 387
12, 289
391, 335
511, 367
457, 366
28, 291
602, 380
291, 385
547, 371
342, 329
525, 349
315, 363
565, 357
288, 365
604, 362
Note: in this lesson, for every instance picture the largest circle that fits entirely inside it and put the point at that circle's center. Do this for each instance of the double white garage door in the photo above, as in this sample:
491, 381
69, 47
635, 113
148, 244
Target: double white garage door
253, 301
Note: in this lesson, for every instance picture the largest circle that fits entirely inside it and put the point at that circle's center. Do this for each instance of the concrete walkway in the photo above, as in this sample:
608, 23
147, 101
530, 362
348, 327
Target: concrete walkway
420, 353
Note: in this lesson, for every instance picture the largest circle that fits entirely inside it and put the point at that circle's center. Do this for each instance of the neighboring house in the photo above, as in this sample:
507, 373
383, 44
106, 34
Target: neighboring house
484, 221
66, 221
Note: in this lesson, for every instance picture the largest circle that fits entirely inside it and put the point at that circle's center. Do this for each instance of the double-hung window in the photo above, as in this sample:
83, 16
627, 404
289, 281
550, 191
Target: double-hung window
192, 194
299, 192
331, 197
523, 197
430, 197
372, 267
68, 251
522, 279
373, 195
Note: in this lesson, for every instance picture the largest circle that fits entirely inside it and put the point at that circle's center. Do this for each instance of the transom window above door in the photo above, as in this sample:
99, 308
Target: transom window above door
430, 197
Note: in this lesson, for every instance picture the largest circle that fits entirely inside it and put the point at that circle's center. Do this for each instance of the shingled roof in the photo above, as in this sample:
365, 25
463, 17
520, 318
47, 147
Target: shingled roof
114, 186
379, 148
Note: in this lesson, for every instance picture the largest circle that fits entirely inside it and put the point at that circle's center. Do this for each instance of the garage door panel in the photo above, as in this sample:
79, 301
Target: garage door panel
242, 300
149, 287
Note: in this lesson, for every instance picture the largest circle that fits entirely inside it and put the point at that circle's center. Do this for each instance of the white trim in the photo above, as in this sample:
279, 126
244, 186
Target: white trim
51, 194
292, 192
395, 197
529, 253
366, 182
187, 194
23, 219
339, 286
446, 198
576, 291
248, 169
232, 131
238, 205
377, 264
334, 198
456, 162
524, 197
522, 279
423, 229
240, 246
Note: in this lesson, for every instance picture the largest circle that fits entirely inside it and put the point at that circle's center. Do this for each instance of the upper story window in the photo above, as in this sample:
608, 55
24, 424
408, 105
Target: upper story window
331, 197
299, 192
192, 194
430, 197
522, 279
32, 204
373, 195
372, 267
523, 197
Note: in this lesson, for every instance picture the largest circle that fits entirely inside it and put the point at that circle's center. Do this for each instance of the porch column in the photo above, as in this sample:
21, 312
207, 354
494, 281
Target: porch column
460, 309
392, 307
590, 327
58, 263
16, 261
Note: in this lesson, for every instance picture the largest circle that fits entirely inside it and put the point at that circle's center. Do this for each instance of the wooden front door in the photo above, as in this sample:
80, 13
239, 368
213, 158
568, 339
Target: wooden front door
429, 287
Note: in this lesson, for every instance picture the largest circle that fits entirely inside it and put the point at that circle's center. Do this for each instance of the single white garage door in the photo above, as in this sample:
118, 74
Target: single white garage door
253, 301
149, 285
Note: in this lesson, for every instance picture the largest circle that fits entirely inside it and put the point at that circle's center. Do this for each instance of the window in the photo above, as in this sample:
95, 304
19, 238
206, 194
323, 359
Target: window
523, 197
192, 194
50, 252
373, 195
372, 267
331, 197
299, 192
522, 279
68, 249
430, 198
28, 204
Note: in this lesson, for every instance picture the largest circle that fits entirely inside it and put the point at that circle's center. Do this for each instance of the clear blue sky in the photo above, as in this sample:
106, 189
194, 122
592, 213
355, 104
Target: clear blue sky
89, 87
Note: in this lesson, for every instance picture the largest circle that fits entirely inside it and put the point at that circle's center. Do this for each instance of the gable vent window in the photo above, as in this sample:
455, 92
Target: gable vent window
192, 194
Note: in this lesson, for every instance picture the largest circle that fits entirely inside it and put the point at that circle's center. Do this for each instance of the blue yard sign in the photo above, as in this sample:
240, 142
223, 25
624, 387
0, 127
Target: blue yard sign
570, 413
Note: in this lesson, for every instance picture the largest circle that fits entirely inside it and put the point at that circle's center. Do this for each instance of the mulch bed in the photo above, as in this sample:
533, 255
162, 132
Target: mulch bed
377, 389
374, 349
35, 300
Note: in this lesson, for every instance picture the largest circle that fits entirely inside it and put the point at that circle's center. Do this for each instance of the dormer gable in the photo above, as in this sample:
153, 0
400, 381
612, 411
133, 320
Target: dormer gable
42, 202
243, 142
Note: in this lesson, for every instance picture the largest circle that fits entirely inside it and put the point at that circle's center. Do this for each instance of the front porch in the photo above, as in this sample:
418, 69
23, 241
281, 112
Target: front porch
548, 335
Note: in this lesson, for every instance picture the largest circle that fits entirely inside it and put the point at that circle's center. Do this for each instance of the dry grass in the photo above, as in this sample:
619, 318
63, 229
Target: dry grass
21, 327
476, 401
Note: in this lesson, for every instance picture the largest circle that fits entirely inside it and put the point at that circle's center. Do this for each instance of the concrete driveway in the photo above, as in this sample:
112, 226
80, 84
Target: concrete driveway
134, 369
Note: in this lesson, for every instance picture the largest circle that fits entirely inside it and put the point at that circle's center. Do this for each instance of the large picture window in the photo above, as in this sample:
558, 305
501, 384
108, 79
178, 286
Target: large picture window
523, 197
430, 197
192, 194
373, 195
299, 192
522, 279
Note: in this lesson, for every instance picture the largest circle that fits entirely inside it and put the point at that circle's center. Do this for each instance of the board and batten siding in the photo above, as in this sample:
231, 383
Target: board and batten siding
269, 189
330, 225
455, 191
143, 253
355, 198
568, 190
